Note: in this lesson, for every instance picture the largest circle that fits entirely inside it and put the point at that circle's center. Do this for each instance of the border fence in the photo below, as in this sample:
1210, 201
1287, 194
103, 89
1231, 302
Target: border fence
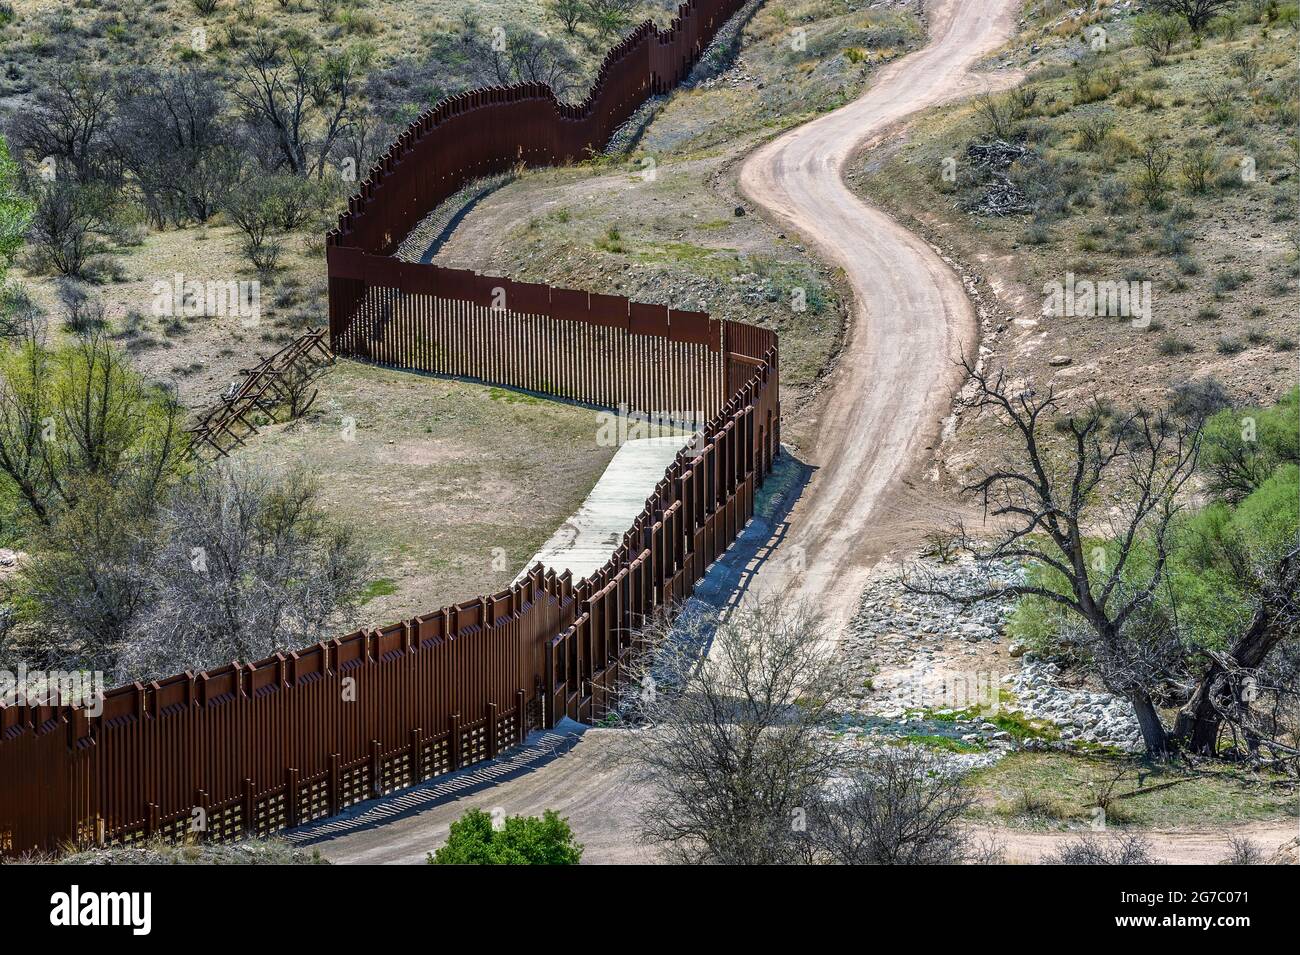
252, 749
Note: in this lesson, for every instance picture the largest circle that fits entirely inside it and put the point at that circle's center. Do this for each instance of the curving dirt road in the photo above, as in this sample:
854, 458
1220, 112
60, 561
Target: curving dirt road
880, 408
895, 379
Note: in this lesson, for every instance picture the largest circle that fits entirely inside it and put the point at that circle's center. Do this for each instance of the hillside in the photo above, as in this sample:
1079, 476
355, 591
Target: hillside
1171, 172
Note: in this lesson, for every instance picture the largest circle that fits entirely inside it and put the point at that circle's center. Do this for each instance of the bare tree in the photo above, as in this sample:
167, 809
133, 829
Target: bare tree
998, 114
1199, 162
87, 577
171, 135
247, 564
1154, 161
85, 312
732, 735
569, 13
1158, 35
524, 57
901, 806
301, 101
298, 385
609, 18
1243, 851
234, 564
68, 223
254, 208
1053, 497
21, 318
731, 739
67, 121
1121, 849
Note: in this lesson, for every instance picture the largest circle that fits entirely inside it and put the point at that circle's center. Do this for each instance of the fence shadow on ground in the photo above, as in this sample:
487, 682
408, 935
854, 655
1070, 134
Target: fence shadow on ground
726, 585
542, 748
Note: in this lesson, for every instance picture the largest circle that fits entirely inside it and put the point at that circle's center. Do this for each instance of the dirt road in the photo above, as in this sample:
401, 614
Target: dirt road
882, 405
894, 380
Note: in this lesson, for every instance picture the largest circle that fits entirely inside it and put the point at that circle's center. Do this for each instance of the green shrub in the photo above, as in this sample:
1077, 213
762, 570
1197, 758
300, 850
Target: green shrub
521, 840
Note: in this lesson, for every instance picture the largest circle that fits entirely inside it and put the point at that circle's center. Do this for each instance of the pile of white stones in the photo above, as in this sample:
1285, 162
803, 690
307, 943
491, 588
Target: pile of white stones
903, 632
1083, 717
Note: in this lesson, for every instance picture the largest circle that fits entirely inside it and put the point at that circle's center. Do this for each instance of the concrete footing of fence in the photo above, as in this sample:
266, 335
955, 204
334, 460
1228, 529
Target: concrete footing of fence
587, 539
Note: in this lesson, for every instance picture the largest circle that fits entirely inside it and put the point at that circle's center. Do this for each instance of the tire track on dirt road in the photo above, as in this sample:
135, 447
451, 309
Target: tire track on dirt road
894, 379
882, 404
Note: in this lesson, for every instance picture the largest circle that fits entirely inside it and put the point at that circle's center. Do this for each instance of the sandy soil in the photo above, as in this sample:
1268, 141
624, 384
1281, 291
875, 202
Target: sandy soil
1199, 847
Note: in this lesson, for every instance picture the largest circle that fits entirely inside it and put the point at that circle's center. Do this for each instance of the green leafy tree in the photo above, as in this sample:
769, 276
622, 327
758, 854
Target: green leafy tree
15, 216
1229, 598
15, 210
1243, 447
1246, 562
1158, 35
521, 840
78, 413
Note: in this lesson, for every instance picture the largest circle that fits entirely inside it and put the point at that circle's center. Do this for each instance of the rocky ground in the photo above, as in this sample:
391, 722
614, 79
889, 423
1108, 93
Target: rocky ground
251, 852
946, 676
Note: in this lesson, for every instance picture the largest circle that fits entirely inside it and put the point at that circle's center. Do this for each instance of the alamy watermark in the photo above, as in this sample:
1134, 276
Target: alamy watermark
1085, 298
182, 298
615, 428
83, 689
973, 689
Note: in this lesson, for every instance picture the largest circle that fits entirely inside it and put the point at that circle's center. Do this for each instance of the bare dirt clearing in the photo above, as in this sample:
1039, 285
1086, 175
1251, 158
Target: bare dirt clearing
455, 484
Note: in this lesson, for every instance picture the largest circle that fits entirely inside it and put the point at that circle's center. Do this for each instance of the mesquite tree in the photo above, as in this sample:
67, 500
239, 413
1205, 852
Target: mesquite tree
1237, 677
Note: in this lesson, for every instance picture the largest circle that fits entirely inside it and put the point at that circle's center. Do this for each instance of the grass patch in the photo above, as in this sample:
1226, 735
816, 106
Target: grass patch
1035, 789
511, 397
383, 587
947, 744
1020, 727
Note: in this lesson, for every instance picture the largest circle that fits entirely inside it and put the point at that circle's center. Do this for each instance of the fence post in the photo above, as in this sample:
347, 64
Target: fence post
250, 809
416, 770
334, 781
291, 808
492, 730
521, 717
455, 741
150, 820
376, 768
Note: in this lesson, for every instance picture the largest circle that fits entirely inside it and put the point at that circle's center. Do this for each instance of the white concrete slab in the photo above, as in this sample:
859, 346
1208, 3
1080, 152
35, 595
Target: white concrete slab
585, 541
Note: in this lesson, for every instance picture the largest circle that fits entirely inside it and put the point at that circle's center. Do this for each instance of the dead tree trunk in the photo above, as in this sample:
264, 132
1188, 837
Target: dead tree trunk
1197, 727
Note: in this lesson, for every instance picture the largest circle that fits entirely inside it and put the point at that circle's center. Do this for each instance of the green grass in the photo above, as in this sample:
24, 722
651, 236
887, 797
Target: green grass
948, 744
511, 397
720, 262
1020, 727
383, 587
1038, 790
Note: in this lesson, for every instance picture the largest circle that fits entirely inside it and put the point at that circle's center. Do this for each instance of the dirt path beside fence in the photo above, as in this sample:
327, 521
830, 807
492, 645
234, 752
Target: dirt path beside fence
883, 406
